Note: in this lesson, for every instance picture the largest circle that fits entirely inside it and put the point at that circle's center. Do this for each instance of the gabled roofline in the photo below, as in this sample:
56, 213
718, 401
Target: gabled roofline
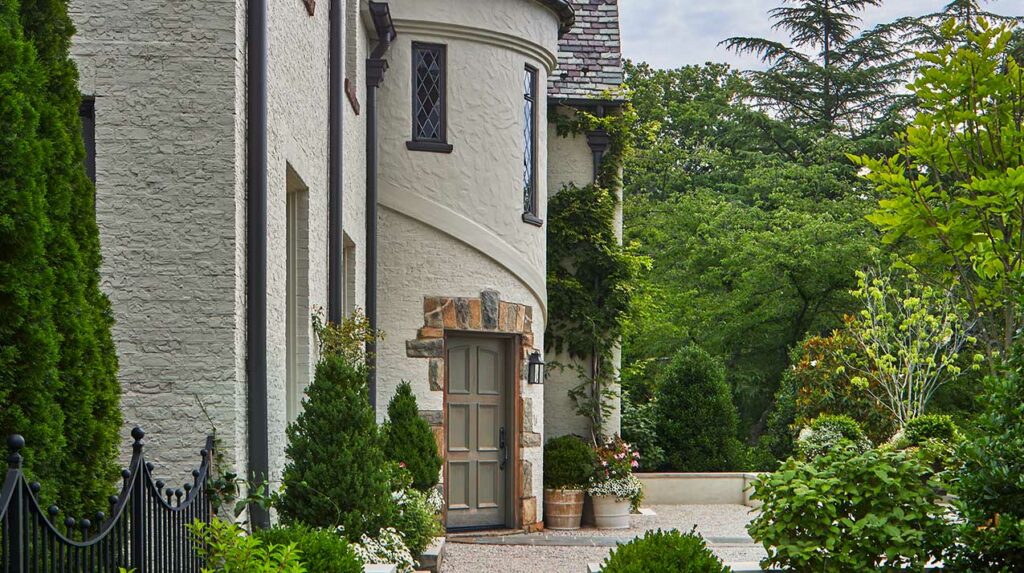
566, 15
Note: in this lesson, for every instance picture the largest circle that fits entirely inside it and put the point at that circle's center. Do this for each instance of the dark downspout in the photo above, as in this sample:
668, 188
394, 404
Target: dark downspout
256, 253
335, 243
376, 66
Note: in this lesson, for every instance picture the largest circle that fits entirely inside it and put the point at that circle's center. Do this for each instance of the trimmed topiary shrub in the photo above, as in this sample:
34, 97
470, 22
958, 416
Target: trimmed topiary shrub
664, 551
320, 551
337, 474
851, 511
87, 390
828, 432
922, 429
410, 441
697, 423
568, 463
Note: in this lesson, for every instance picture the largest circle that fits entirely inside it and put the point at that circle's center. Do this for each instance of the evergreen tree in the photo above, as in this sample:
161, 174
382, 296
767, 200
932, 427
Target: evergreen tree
697, 424
28, 339
337, 473
410, 441
832, 77
89, 391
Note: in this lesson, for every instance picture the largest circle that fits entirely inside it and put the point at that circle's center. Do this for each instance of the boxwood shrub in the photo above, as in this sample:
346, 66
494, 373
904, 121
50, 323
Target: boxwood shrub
568, 463
664, 551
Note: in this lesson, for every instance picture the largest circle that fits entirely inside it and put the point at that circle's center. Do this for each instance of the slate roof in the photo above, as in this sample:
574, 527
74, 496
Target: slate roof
589, 54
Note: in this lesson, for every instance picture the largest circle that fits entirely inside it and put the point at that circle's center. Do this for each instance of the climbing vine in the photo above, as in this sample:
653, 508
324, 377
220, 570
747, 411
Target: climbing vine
592, 277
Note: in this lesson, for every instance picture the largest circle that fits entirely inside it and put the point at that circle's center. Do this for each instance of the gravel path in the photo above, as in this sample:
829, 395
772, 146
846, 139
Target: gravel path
726, 523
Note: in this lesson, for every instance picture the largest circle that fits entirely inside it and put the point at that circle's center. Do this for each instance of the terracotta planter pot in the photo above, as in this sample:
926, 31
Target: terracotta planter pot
610, 512
563, 508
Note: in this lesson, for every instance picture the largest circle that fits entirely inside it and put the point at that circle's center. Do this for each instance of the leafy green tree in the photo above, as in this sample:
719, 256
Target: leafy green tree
695, 417
337, 473
832, 77
88, 391
409, 440
953, 192
29, 381
746, 283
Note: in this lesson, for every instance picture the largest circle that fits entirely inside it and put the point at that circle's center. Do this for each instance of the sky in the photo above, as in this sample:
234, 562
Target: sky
673, 33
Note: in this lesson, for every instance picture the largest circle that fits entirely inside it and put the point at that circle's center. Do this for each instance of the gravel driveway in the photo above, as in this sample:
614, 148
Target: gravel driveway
724, 526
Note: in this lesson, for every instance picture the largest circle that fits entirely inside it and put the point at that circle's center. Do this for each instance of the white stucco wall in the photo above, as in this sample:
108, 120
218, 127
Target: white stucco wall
298, 137
451, 224
164, 78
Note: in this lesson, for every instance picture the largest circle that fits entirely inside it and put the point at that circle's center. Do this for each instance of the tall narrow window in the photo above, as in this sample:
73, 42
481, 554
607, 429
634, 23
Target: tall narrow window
87, 113
530, 146
429, 129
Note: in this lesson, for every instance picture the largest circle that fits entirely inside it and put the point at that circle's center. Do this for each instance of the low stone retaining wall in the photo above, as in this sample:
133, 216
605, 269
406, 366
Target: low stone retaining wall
698, 488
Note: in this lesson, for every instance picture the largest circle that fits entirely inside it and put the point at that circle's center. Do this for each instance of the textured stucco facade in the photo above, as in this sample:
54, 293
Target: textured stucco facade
451, 223
164, 80
170, 88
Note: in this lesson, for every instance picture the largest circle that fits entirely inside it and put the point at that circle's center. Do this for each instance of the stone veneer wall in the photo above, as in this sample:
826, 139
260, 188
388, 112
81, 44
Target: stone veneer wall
486, 314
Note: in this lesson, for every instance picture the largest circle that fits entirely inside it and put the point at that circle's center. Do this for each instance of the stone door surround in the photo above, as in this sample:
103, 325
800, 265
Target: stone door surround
484, 314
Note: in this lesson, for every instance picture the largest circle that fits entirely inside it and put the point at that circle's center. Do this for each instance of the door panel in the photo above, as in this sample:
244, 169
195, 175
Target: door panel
477, 419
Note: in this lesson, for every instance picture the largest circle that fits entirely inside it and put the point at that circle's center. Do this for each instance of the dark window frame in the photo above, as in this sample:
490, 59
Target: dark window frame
87, 115
530, 195
417, 142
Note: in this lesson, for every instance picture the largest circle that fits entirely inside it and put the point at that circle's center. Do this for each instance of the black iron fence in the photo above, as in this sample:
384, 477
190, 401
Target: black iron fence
145, 531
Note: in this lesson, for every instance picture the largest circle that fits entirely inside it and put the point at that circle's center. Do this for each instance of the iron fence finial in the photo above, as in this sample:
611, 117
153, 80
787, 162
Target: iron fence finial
15, 442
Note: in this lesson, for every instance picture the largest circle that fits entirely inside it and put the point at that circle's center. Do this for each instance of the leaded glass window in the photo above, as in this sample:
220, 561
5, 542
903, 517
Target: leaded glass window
529, 141
428, 97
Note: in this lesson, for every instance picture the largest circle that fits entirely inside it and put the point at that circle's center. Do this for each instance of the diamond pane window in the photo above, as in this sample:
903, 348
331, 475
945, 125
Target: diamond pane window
428, 97
529, 141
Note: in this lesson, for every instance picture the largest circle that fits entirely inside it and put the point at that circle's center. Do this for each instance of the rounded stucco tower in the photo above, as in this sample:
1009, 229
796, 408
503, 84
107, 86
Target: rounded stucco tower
462, 161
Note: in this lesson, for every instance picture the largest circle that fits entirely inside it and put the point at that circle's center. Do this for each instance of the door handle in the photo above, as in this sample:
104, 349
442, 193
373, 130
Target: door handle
504, 449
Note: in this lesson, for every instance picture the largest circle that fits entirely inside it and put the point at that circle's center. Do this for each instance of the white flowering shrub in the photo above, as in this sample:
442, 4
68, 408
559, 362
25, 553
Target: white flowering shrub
388, 547
624, 488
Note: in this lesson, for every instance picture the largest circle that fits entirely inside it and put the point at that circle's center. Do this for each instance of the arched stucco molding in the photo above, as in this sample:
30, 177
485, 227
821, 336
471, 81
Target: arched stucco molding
481, 35
472, 234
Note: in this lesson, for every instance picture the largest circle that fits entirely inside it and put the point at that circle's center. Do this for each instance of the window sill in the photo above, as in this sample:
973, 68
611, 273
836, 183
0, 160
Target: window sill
533, 219
431, 146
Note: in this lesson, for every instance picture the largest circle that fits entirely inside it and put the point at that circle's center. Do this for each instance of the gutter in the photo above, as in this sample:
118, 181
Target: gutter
256, 254
376, 66
335, 232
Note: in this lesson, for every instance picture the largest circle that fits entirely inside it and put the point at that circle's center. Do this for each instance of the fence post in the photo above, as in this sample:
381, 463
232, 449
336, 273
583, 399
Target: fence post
138, 502
15, 518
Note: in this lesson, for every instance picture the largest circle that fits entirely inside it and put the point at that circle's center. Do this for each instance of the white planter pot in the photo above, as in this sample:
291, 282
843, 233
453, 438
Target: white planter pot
610, 512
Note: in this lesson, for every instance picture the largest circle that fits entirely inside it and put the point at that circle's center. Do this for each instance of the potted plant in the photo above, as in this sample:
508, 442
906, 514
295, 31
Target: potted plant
614, 490
568, 465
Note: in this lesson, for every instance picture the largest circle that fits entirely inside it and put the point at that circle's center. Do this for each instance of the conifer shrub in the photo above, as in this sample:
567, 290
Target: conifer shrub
938, 427
337, 473
664, 551
697, 422
87, 388
29, 380
410, 441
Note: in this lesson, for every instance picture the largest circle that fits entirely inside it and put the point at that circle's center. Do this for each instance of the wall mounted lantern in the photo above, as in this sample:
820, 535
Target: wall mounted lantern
535, 375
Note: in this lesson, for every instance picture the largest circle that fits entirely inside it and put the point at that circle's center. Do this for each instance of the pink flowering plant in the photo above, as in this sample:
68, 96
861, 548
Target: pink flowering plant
613, 475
